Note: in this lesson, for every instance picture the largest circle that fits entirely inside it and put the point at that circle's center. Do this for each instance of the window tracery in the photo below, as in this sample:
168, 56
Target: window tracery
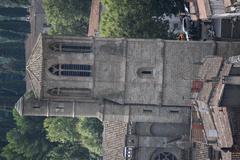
81, 70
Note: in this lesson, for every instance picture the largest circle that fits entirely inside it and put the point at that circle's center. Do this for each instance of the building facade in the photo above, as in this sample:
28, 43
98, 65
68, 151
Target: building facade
140, 89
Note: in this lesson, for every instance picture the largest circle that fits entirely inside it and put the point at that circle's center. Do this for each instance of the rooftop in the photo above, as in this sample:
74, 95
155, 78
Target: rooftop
205, 9
94, 19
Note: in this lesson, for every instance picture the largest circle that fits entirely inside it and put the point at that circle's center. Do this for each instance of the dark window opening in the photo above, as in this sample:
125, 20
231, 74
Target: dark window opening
145, 72
75, 48
76, 73
80, 49
147, 110
35, 105
55, 47
235, 71
76, 67
60, 107
71, 70
174, 111
54, 69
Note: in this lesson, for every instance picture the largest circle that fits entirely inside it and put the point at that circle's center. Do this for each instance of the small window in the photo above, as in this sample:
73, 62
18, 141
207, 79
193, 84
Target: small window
146, 72
174, 111
70, 47
36, 106
147, 111
60, 108
71, 70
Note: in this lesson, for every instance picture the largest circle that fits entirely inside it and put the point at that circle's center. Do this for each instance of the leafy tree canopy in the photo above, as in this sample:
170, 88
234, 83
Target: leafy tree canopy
27, 140
16, 2
68, 151
15, 26
13, 11
137, 18
68, 17
61, 129
90, 130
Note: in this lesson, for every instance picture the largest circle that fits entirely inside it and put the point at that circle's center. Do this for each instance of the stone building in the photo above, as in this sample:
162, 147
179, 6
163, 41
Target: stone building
140, 89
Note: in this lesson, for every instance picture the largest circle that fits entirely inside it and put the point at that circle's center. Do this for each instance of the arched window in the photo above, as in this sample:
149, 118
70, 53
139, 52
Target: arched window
145, 72
71, 47
70, 92
71, 70
54, 69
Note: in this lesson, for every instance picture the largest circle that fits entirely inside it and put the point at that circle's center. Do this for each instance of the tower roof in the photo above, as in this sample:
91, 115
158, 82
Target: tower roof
34, 67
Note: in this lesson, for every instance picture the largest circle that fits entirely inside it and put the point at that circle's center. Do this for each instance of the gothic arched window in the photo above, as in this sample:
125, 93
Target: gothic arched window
71, 70
71, 47
70, 92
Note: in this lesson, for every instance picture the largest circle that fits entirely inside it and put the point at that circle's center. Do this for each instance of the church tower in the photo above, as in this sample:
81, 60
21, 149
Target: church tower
143, 83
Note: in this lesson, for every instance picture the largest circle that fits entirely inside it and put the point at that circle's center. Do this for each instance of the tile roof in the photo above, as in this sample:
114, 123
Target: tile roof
114, 140
215, 119
34, 67
94, 18
201, 151
204, 9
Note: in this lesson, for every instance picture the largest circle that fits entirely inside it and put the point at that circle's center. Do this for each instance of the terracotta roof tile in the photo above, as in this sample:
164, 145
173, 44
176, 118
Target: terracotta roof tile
94, 18
114, 140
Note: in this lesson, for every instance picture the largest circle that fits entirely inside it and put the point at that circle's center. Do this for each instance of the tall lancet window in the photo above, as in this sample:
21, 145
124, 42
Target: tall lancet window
81, 70
70, 92
71, 47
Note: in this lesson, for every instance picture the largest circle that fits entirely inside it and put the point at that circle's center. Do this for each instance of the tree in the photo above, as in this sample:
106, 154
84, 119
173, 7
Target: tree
13, 11
68, 151
23, 2
61, 129
15, 26
15, 2
137, 18
12, 35
90, 130
6, 123
68, 17
27, 140
12, 50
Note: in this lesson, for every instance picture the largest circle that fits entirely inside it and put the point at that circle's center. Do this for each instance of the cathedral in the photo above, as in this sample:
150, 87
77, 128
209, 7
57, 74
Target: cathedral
153, 96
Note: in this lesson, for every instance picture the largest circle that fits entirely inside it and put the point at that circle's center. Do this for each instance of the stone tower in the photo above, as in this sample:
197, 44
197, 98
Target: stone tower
144, 85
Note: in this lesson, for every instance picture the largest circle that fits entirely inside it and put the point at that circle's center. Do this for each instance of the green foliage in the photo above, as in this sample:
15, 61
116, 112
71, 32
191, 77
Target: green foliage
6, 123
27, 140
16, 2
15, 26
13, 11
12, 35
68, 151
24, 2
61, 129
9, 76
85, 131
137, 18
90, 130
68, 17
12, 50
